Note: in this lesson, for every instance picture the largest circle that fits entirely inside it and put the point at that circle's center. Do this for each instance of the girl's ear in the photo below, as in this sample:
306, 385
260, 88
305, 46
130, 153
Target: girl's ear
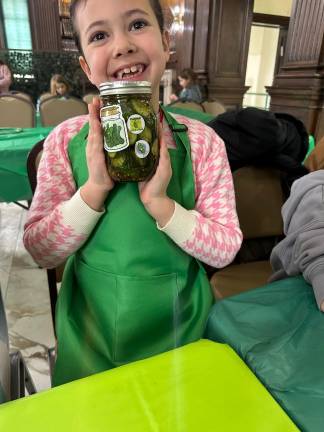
85, 67
166, 43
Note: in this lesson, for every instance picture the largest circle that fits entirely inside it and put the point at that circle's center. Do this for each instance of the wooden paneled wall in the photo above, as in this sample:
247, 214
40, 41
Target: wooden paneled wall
45, 25
304, 48
299, 86
214, 42
228, 42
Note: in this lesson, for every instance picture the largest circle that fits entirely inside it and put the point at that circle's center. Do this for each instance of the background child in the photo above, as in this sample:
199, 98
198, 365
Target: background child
190, 90
60, 86
5, 77
133, 285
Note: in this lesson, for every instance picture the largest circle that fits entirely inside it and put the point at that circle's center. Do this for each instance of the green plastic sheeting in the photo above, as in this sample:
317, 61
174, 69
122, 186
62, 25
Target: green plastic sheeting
202, 386
279, 332
15, 144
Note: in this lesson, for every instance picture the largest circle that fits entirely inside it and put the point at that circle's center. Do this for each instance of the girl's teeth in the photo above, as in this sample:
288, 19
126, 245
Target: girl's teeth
134, 69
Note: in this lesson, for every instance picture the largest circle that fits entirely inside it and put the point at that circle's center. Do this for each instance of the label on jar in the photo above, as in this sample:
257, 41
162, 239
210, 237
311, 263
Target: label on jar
142, 149
114, 128
136, 124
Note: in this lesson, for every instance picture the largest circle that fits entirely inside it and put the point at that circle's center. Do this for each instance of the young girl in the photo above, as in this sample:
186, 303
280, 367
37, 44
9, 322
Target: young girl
133, 285
190, 90
59, 86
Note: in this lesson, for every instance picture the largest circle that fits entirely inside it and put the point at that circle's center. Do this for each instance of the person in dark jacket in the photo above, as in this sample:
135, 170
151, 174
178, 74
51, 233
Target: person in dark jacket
257, 137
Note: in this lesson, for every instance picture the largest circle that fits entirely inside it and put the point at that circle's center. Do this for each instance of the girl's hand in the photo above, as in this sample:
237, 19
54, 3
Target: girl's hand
95, 190
153, 193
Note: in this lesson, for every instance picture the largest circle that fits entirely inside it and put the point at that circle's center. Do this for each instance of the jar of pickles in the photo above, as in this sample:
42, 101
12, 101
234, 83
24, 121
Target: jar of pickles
130, 130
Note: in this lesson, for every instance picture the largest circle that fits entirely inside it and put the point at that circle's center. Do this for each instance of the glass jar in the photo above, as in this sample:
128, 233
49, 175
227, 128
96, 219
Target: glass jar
130, 130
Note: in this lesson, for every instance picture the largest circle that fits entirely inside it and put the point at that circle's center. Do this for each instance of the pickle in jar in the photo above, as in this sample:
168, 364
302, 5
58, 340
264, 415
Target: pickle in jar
141, 107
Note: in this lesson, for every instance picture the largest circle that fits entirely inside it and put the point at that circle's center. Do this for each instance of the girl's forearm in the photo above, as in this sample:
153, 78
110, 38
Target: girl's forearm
51, 239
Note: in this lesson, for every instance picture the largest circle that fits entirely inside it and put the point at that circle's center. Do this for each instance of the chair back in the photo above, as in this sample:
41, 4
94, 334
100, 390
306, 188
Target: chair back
259, 198
33, 159
194, 106
87, 98
215, 107
45, 96
23, 95
4, 356
16, 111
54, 110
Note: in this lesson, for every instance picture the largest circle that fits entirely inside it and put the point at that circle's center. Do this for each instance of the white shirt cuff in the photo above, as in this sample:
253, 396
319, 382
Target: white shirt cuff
77, 214
181, 225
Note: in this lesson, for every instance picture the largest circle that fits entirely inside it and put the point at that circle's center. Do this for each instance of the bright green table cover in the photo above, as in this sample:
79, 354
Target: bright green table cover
203, 386
15, 144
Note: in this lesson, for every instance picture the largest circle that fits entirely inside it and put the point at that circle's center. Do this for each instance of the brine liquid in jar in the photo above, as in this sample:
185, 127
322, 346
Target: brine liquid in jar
130, 130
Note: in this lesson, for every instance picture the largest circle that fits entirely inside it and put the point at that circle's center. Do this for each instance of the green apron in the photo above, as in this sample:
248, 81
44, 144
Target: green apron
129, 292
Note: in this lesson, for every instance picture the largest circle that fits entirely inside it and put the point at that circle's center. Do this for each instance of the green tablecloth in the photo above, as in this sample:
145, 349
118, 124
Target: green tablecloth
202, 386
15, 144
197, 115
278, 331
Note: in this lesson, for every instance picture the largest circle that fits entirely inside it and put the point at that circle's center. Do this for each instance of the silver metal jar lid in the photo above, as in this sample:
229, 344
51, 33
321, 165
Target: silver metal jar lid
124, 87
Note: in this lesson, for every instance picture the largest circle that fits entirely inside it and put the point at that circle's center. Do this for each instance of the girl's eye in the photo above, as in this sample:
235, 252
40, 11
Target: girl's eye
138, 25
98, 36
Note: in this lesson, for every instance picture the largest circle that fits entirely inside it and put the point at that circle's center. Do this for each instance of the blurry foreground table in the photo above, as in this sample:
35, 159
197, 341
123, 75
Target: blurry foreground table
15, 144
203, 386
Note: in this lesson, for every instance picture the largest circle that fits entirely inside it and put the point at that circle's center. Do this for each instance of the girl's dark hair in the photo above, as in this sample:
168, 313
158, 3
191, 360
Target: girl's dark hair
188, 74
155, 5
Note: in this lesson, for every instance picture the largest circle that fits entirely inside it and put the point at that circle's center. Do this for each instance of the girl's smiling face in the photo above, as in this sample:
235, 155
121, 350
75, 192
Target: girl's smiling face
121, 40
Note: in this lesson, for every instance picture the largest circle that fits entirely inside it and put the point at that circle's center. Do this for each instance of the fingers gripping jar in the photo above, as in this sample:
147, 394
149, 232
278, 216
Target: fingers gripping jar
130, 130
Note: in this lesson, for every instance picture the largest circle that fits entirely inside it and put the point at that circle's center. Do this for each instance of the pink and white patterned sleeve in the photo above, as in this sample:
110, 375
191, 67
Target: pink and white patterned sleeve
211, 231
54, 229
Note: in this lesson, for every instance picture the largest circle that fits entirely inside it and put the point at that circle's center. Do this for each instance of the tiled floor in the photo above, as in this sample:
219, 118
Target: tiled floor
25, 293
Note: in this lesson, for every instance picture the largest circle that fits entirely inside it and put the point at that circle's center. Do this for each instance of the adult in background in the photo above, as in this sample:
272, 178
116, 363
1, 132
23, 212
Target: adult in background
5, 77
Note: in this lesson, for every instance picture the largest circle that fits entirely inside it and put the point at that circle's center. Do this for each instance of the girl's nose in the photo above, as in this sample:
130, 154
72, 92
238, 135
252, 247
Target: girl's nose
123, 46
